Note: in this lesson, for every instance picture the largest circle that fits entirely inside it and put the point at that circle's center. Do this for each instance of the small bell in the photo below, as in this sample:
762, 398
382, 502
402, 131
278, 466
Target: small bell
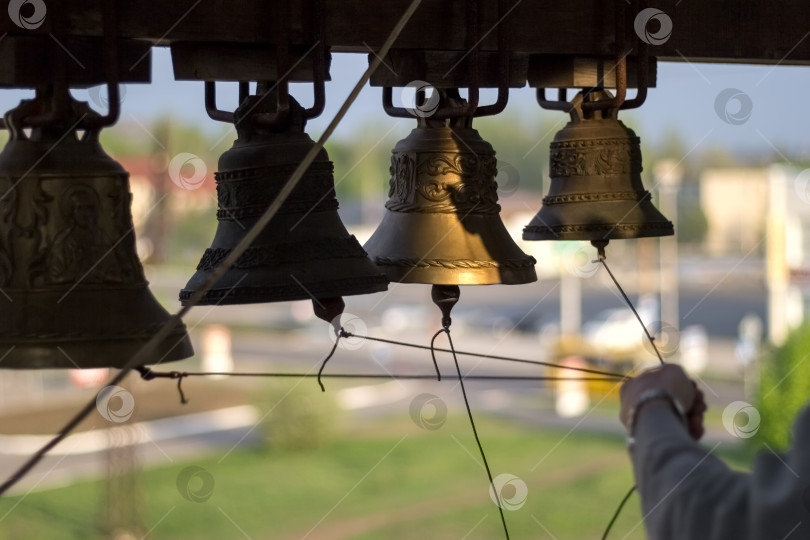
305, 251
442, 224
596, 191
73, 289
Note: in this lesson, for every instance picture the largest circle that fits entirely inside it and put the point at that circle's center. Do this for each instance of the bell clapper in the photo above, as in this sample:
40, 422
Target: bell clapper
600, 246
446, 297
330, 310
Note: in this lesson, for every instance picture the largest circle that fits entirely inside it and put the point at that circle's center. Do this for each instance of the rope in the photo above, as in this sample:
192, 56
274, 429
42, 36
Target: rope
602, 258
433, 353
491, 356
618, 511
148, 375
328, 356
446, 330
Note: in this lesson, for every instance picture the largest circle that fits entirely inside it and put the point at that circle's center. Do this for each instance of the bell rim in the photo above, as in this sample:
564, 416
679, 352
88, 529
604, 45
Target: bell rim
261, 294
623, 231
446, 276
44, 354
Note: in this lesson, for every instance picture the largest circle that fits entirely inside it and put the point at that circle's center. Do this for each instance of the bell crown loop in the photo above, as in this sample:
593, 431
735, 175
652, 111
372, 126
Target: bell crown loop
51, 114
578, 113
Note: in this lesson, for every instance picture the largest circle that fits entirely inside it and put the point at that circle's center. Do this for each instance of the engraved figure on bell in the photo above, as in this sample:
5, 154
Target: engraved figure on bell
79, 251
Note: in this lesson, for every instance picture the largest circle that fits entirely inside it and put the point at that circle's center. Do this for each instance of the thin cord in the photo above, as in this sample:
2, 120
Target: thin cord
491, 356
148, 375
433, 354
618, 511
146, 353
603, 259
446, 330
70, 426
328, 356
632, 308
180, 378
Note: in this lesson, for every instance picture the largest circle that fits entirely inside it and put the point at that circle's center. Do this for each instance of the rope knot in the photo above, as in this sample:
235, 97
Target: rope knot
146, 373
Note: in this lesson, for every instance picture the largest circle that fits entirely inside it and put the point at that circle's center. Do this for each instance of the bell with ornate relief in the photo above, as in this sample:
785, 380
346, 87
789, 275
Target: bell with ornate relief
72, 289
596, 191
305, 252
443, 224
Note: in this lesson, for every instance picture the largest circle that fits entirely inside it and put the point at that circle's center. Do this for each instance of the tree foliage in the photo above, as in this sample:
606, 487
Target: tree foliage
784, 388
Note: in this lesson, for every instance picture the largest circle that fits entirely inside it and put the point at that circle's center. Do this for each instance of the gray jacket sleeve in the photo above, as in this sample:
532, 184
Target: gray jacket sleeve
689, 494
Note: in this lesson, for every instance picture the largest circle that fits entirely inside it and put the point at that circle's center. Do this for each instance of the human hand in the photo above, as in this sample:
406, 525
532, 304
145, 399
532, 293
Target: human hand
672, 379
694, 416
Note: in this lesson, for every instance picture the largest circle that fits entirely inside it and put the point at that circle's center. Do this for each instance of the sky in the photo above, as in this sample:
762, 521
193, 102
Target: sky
739, 107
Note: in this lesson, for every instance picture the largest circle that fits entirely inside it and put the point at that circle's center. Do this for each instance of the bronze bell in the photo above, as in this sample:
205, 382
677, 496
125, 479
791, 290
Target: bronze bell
305, 251
442, 224
73, 289
596, 191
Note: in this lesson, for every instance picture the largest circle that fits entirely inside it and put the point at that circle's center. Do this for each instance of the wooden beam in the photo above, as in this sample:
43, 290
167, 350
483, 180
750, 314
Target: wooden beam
747, 31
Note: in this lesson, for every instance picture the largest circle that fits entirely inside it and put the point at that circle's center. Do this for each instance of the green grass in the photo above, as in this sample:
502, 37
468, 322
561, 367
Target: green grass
390, 481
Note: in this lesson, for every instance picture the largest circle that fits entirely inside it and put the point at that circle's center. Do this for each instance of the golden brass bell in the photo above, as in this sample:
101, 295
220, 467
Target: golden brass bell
442, 224
72, 288
305, 251
596, 191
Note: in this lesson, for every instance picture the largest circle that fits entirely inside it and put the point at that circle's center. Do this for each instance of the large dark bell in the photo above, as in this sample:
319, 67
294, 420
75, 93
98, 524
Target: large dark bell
596, 191
72, 289
305, 251
442, 224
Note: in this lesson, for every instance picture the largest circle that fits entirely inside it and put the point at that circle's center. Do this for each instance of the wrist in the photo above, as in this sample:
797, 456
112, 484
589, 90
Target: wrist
652, 398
